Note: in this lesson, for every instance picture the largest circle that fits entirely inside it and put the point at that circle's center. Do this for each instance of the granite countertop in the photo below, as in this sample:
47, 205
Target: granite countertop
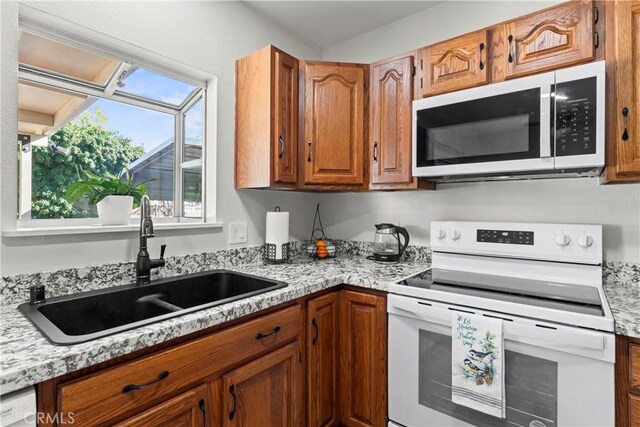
621, 284
28, 358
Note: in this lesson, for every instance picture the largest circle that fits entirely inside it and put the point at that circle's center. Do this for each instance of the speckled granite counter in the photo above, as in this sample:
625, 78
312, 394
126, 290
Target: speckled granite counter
28, 358
622, 287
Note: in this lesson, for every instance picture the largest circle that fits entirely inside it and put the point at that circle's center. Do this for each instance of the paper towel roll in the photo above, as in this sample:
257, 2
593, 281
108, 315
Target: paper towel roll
277, 231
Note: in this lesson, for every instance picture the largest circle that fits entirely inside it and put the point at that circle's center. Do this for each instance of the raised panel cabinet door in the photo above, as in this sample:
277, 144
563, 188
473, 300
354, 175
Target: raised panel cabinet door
634, 409
623, 114
363, 360
323, 332
390, 112
264, 392
189, 409
553, 38
454, 64
333, 141
285, 112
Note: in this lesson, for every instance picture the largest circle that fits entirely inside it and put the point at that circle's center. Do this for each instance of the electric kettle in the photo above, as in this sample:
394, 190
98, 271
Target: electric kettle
386, 242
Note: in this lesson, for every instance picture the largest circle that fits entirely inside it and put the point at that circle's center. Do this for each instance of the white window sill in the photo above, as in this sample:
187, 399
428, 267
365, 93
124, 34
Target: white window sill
98, 229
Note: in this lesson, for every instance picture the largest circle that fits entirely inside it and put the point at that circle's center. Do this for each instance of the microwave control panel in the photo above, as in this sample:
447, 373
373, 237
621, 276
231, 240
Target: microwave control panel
575, 117
508, 237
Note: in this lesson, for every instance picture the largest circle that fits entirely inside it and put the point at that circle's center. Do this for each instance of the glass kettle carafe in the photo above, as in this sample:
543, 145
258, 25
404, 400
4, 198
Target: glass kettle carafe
387, 245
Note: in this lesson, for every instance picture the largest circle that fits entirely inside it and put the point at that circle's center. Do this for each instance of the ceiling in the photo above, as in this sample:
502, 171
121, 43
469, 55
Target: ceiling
326, 23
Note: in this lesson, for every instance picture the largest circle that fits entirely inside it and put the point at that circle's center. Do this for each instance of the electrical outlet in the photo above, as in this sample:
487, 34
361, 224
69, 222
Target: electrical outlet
237, 232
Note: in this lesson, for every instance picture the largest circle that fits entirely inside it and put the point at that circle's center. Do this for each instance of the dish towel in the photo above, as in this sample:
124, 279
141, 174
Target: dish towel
477, 365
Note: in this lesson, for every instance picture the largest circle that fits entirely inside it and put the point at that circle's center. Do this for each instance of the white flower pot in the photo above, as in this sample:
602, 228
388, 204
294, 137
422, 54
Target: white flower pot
115, 210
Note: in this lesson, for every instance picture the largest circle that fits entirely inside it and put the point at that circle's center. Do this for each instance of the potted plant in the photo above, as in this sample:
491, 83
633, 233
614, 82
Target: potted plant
114, 197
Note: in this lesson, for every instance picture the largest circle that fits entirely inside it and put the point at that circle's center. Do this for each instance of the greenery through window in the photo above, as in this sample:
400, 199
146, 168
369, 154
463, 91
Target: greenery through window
80, 111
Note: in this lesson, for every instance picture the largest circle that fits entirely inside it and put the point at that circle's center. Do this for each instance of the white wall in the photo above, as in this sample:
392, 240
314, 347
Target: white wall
206, 35
351, 216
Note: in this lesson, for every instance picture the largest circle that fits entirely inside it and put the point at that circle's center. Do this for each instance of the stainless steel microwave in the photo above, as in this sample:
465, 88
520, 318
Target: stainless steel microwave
544, 125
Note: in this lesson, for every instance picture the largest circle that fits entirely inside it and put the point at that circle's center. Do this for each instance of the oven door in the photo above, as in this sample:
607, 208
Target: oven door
554, 375
494, 129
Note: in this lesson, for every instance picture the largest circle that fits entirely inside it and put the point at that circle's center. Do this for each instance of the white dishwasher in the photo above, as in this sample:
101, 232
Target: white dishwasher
18, 408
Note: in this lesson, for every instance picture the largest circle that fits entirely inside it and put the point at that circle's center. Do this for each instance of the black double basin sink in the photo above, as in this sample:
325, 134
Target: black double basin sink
89, 315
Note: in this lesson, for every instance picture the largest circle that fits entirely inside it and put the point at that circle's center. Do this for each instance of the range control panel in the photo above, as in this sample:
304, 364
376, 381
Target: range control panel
508, 237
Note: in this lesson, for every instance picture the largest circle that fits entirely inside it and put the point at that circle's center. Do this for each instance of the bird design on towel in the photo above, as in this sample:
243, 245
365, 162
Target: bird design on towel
478, 365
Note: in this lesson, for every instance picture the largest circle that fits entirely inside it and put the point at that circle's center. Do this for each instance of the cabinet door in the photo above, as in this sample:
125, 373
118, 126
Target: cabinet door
334, 123
285, 113
454, 64
623, 85
363, 360
554, 38
188, 409
323, 327
264, 392
390, 111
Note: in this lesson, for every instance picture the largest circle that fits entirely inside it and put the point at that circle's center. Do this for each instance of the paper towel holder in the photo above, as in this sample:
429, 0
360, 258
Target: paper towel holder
269, 254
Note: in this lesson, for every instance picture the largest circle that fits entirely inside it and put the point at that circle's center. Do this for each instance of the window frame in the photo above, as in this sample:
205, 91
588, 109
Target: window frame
206, 89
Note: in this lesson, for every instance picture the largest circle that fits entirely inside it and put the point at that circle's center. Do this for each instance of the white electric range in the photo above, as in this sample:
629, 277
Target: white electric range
545, 282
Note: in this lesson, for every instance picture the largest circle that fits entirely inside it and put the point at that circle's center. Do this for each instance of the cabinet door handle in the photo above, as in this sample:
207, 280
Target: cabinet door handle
309, 152
375, 151
281, 142
315, 327
232, 391
510, 59
202, 407
131, 387
261, 335
481, 63
625, 115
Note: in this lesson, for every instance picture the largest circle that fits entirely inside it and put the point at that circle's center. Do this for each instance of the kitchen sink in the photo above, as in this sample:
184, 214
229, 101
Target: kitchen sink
89, 315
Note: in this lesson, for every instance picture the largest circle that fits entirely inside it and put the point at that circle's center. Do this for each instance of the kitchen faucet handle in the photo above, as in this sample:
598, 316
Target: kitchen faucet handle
162, 249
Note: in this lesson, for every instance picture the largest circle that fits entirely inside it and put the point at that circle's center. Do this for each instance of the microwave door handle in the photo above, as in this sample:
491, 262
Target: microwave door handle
541, 335
546, 98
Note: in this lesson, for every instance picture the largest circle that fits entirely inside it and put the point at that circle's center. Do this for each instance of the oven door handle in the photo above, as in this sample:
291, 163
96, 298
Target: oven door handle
548, 335
424, 312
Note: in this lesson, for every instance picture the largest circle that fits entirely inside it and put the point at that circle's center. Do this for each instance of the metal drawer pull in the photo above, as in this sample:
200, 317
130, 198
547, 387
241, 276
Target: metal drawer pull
315, 326
204, 412
481, 49
261, 335
625, 114
131, 387
510, 59
232, 391
281, 141
375, 151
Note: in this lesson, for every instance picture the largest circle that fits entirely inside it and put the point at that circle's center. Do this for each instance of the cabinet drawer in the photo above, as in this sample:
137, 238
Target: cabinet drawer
105, 395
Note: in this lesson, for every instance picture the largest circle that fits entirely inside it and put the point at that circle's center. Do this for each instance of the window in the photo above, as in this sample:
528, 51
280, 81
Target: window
79, 110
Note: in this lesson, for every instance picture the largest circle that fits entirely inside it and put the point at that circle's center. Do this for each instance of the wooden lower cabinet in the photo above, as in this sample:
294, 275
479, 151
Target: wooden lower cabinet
323, 357
265, 392
627, 381
347, 359
252, 373
363, 359
189, 409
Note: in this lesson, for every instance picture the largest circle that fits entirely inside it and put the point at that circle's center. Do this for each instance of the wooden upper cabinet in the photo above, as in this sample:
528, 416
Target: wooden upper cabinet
265, 392
189, 409
323, 361
622, 51
391, 94
334, 130
266, 128
363, 360
553, 38
454, 64
285, 136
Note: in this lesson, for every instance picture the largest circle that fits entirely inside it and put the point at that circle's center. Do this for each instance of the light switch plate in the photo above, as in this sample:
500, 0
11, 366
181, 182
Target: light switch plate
237, 232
